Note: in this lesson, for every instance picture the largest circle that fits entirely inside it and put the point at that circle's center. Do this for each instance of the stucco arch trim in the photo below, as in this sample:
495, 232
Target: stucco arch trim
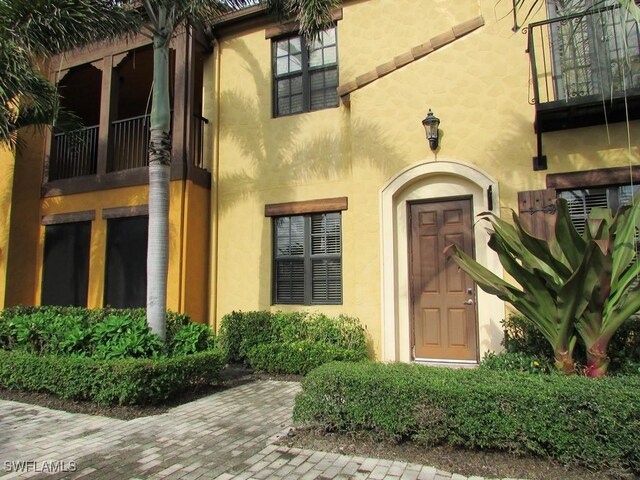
424, 181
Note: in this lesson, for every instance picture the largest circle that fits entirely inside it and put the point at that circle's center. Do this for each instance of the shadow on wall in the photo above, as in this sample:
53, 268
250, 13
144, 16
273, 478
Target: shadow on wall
579, 149
304, 149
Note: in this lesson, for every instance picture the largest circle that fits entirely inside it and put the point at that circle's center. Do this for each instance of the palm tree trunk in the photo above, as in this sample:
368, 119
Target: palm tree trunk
159, 169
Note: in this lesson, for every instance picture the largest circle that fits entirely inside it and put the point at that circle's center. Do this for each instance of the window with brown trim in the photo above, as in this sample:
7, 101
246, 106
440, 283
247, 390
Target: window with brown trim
307, 259
305, 76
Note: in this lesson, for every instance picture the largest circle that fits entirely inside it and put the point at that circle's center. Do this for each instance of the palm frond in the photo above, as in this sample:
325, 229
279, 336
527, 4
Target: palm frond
313, 16
48, 27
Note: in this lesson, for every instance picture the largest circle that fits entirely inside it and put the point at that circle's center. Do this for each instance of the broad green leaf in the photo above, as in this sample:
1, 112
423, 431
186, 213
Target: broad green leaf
624, 242
540, 310
541, 251
568, 238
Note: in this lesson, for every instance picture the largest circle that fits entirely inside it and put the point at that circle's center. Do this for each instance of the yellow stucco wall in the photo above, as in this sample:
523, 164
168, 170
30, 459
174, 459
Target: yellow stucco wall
195, 273
96, 201
6, 190
478, 86
25, 219
22, 232
188, 229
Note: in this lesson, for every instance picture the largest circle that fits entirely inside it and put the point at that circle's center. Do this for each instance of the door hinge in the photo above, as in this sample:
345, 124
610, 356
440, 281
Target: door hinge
413, 352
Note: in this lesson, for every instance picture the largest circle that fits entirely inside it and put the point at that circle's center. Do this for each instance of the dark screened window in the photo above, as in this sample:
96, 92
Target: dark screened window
65, 276
308, 259
126, 269
305, 76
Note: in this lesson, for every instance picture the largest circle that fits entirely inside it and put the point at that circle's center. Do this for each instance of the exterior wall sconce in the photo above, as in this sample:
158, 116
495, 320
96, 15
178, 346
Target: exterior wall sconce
430, 124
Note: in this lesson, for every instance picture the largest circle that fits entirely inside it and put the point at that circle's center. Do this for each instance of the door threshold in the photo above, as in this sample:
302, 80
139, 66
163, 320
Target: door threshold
439, 362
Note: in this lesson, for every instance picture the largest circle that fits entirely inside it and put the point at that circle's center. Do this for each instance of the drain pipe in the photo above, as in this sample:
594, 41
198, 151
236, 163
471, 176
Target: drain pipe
215, 178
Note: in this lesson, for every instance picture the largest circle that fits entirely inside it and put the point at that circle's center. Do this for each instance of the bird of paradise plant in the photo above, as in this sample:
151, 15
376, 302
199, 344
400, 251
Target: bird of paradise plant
571, 286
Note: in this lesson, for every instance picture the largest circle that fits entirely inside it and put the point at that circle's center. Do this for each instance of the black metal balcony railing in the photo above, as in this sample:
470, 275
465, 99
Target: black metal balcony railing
593, 55
74, 154
130, 143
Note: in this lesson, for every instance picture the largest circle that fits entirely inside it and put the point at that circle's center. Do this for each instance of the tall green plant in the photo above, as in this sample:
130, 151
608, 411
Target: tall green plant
574, 285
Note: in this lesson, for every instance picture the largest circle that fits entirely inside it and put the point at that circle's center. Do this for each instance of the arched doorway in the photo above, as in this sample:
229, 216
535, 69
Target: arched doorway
442, 198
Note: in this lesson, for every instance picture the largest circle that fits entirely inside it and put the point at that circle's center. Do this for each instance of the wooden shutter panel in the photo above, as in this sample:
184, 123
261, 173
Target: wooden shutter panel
537, 209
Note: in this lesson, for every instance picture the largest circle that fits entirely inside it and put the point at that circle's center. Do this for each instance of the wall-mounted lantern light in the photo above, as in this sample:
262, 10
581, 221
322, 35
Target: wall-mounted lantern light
430, 124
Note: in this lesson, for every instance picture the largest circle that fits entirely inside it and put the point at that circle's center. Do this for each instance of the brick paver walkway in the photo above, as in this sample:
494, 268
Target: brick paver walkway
227, 435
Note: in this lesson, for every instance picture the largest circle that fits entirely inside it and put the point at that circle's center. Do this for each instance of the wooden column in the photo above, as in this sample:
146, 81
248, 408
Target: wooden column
181, 107
108, 106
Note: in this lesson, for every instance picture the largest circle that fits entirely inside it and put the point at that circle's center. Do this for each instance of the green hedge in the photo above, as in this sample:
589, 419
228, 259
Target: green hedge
298, 357
290, 342
576, 420
100, 333
119, 381
241, 331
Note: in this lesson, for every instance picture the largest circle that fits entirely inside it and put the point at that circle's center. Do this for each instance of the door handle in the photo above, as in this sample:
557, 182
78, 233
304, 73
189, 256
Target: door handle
468, 301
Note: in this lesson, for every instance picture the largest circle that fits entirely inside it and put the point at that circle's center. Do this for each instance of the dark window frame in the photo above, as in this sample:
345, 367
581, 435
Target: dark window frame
111, 297
305, 72
79, 287
308, 260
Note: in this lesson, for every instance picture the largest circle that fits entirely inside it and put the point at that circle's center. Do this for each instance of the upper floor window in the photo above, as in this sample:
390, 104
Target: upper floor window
305, 76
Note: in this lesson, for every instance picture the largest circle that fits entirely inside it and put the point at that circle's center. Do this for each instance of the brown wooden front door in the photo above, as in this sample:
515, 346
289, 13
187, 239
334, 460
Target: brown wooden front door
443, 306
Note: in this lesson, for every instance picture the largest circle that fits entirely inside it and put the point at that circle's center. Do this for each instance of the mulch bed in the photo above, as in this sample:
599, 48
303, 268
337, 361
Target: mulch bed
464, 462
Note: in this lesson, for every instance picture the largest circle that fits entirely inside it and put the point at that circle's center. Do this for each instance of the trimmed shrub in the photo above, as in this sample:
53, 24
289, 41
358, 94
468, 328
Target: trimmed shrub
239, 332
119, 381
521, 336
298, 357
290, 342
576, 420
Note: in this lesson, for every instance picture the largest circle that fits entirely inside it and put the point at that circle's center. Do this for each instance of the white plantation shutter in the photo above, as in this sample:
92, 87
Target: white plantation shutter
580, 203
326, 247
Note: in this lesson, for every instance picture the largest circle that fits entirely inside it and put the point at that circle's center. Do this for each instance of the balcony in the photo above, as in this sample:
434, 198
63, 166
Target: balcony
75, 154
110, 94
585, 69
